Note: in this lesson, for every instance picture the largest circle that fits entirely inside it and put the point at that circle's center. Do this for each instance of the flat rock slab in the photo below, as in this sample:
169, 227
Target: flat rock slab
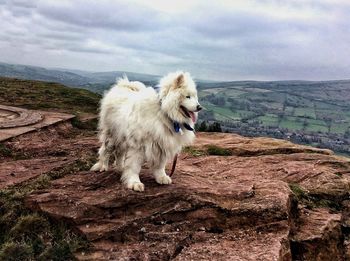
15, 172
238, 245
246, 146
15, 121
236, 207
104, 211
324, 175
248, 245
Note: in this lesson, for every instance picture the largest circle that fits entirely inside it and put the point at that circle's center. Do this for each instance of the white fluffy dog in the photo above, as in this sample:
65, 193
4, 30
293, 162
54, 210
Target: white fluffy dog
138, 124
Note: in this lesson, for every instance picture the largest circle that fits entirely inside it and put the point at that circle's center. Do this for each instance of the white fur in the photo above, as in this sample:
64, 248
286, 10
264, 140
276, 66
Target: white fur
136, 125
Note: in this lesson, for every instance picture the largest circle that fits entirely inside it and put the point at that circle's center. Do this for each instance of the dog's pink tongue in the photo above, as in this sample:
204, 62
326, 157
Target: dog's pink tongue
193, 116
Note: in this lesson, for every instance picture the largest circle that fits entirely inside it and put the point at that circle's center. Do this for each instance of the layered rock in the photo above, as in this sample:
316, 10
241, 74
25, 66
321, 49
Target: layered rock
265, 199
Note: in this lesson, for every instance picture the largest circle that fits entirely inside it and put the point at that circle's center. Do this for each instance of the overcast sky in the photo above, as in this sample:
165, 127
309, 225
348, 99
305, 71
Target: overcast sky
221, 40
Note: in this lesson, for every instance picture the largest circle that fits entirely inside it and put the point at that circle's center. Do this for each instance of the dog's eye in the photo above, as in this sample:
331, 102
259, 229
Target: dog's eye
188, 97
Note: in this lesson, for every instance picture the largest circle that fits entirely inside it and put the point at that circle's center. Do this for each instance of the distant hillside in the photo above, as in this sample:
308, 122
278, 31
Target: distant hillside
93, 81
47, 96
42, 74
74, 78
307, 112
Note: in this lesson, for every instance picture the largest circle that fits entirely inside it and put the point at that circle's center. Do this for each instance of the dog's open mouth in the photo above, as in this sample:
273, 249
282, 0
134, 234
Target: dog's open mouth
189, 114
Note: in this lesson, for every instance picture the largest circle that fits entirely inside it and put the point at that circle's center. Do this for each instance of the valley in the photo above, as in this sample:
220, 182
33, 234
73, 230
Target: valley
315, 113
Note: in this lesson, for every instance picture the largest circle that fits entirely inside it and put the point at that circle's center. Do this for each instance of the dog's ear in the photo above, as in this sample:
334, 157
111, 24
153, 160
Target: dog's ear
179, 81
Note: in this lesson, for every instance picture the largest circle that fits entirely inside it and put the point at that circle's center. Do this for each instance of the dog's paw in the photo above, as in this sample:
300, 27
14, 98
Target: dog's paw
104, 168
99, 167
95, 167
137, 186
164, 179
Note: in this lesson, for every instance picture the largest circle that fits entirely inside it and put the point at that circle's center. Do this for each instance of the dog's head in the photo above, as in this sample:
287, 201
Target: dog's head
178, 95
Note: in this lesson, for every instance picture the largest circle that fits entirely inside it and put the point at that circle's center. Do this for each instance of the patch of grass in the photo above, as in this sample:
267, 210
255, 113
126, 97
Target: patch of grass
5, 151
78, 165
209, 150
291, 123
193, 151
28, 227
221, 113
27, 235
8, 152
47, 95
305, 112
85, 125
311, 201
218, 151
298, 191
16, 251
269, 120
339, 127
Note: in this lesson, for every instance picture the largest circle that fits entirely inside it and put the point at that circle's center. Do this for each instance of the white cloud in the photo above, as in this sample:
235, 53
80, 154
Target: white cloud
232, 40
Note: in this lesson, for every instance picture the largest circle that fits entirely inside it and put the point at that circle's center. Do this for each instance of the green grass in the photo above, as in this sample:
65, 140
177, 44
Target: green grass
47, 95
193, 151
316, 125
311, 201
305, 112
273, 105
222, 113
233, 93
24, 233
218, 151
291, 123
289, 110
269, 120
27, 235
339, 127
5, 151
316, 128
245, 113
212, 150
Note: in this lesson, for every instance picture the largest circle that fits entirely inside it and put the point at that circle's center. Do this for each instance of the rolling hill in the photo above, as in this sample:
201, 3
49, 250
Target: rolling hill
308, 112
74, 78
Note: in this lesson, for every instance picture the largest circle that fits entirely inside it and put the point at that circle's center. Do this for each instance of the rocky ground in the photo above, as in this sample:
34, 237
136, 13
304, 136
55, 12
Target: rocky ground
232, 198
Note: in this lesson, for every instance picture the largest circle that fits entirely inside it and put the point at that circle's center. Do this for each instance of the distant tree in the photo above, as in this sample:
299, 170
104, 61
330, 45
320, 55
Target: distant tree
305, 124
202, 126
347, 134
214, 127
328, 122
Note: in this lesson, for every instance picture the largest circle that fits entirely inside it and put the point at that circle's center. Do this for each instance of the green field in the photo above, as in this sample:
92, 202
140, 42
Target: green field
308, 112
305, 108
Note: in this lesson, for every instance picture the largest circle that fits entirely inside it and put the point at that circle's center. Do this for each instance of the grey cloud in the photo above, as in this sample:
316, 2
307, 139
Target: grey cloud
209, 41
228, 24
115, 15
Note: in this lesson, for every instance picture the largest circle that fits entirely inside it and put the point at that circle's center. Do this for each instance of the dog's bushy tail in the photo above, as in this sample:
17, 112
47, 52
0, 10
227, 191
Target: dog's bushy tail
133, 86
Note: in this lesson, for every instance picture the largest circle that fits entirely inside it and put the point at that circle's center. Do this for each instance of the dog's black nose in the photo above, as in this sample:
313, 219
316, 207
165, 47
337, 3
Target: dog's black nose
199, 107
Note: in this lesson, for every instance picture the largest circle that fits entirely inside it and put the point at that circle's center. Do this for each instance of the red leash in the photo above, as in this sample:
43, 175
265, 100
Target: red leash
174, 166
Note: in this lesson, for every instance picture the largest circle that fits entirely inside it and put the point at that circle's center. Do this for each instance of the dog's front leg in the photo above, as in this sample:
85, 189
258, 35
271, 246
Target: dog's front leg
160, 175
104, 154
132, 167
